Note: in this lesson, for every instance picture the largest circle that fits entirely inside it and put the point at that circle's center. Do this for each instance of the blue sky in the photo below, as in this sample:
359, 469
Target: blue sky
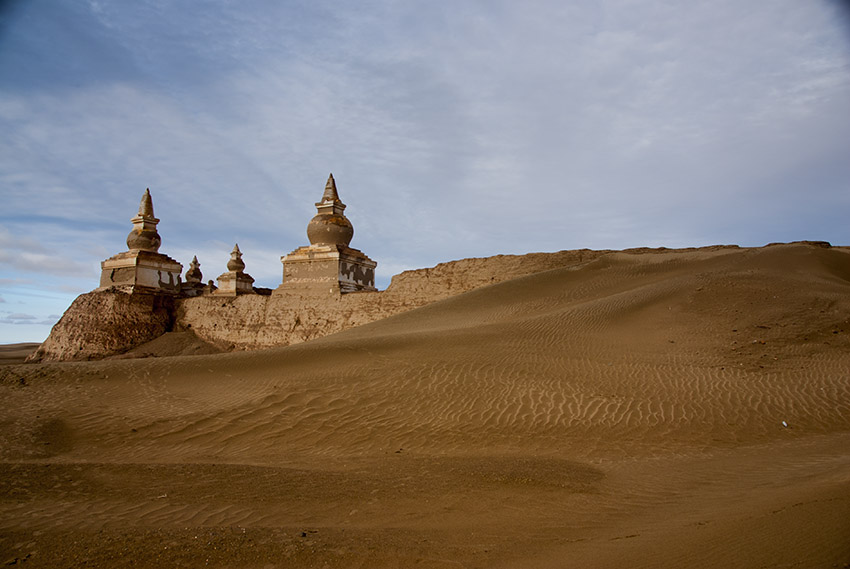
454, 129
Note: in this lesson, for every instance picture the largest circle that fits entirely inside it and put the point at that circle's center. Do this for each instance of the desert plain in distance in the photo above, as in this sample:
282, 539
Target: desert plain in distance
665, 409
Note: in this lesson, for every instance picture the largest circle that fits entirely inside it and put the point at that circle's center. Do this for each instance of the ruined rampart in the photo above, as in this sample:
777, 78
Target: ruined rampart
107, 322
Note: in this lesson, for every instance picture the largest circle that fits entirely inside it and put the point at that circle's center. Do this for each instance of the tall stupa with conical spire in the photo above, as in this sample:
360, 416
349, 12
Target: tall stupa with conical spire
142, 268
328, 265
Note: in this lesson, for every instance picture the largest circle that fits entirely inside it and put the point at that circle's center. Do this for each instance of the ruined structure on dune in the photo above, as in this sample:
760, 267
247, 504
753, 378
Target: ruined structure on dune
327, 286
142, 295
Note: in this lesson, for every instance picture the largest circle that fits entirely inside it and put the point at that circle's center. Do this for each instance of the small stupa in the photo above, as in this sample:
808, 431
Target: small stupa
328, 265
193, 280
194, 274
142, 268
235, 281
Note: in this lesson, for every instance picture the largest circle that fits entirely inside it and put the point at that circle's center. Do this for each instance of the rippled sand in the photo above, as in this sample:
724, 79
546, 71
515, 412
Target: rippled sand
655, 410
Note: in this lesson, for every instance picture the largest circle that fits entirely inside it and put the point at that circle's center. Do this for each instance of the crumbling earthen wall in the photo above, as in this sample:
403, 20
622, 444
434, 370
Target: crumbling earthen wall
105, 322
108, 322
252, 321
255, 321
456, 277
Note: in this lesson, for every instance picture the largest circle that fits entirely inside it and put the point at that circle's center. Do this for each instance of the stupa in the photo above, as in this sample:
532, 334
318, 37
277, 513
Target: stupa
235, 281
328, 265
142, 268
193, 280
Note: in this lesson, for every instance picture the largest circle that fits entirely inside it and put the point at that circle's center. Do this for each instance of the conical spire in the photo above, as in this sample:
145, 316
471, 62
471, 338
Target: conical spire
143, 236
146, 207
330, 226
330, 194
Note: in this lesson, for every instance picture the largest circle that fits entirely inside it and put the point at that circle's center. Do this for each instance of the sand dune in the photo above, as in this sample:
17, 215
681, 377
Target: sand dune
653, 410
16, 353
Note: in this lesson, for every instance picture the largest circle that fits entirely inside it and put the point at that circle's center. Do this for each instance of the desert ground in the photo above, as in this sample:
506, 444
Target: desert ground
16, 353
652, 410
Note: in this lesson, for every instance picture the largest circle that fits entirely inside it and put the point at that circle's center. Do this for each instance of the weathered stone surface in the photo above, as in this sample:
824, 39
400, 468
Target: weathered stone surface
250, 322
141, 271
327, 269
106, 322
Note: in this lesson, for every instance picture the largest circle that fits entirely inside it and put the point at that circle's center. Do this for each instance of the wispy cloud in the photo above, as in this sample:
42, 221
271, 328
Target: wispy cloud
20, 316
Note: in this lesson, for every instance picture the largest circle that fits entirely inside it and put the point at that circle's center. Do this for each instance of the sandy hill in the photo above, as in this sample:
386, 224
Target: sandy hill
666, 409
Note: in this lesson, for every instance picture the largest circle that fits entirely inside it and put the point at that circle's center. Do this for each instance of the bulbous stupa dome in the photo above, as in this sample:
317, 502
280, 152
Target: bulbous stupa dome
144, 240
330, 226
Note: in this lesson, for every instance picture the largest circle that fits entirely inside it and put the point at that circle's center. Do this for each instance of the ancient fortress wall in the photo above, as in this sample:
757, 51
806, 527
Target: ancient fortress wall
254, 321
108, 322
112, 321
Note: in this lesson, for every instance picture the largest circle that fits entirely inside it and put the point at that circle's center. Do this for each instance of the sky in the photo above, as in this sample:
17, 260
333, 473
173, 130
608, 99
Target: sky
454, 129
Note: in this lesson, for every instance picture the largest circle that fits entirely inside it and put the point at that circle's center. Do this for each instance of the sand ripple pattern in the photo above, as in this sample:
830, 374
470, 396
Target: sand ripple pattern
618, 354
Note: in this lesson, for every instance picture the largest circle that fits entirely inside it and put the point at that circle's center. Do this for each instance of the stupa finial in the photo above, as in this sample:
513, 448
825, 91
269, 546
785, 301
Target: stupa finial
146, 207
330, 226
330, 194
143, 236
